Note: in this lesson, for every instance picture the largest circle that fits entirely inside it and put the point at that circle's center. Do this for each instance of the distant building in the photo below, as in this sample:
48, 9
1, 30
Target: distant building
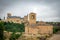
31, 26
14, 19
34, 28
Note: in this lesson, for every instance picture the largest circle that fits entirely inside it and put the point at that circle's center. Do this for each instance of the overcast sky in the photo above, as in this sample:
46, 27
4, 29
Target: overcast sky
46, 10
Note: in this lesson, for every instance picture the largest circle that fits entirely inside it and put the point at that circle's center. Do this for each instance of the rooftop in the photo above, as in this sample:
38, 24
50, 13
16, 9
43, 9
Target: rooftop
15, 17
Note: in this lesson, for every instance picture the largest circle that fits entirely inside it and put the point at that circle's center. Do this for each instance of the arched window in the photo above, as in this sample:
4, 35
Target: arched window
33, 17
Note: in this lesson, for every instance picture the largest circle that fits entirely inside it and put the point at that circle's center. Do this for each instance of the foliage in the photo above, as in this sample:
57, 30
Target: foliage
1, 30
55, 30
14, 27
15, 36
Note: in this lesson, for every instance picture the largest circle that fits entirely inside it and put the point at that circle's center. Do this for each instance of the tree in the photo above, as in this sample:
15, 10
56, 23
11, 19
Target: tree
14, 27
15, 36
55, 30
1, 30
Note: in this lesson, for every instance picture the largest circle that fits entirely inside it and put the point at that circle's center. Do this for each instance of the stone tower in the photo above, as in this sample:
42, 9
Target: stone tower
8, 15
32, 18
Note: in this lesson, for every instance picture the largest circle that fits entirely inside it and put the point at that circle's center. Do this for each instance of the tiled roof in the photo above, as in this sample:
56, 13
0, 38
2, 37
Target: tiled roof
14, 17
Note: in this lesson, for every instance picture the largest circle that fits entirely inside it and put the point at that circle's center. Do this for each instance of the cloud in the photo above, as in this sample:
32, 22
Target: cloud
47, 10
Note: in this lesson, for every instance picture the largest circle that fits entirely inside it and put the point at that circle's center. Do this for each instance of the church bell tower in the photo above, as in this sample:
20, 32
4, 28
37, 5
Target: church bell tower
32, 18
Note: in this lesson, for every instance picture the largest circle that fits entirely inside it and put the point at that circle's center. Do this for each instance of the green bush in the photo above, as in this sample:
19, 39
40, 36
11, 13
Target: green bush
15, 36
1, 30
14, 27
55, 30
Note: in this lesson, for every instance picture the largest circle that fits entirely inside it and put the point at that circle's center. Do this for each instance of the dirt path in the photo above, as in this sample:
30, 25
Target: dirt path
55, 37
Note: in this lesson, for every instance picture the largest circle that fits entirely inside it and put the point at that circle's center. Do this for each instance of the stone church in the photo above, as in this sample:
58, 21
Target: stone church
31, 26
34, 28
